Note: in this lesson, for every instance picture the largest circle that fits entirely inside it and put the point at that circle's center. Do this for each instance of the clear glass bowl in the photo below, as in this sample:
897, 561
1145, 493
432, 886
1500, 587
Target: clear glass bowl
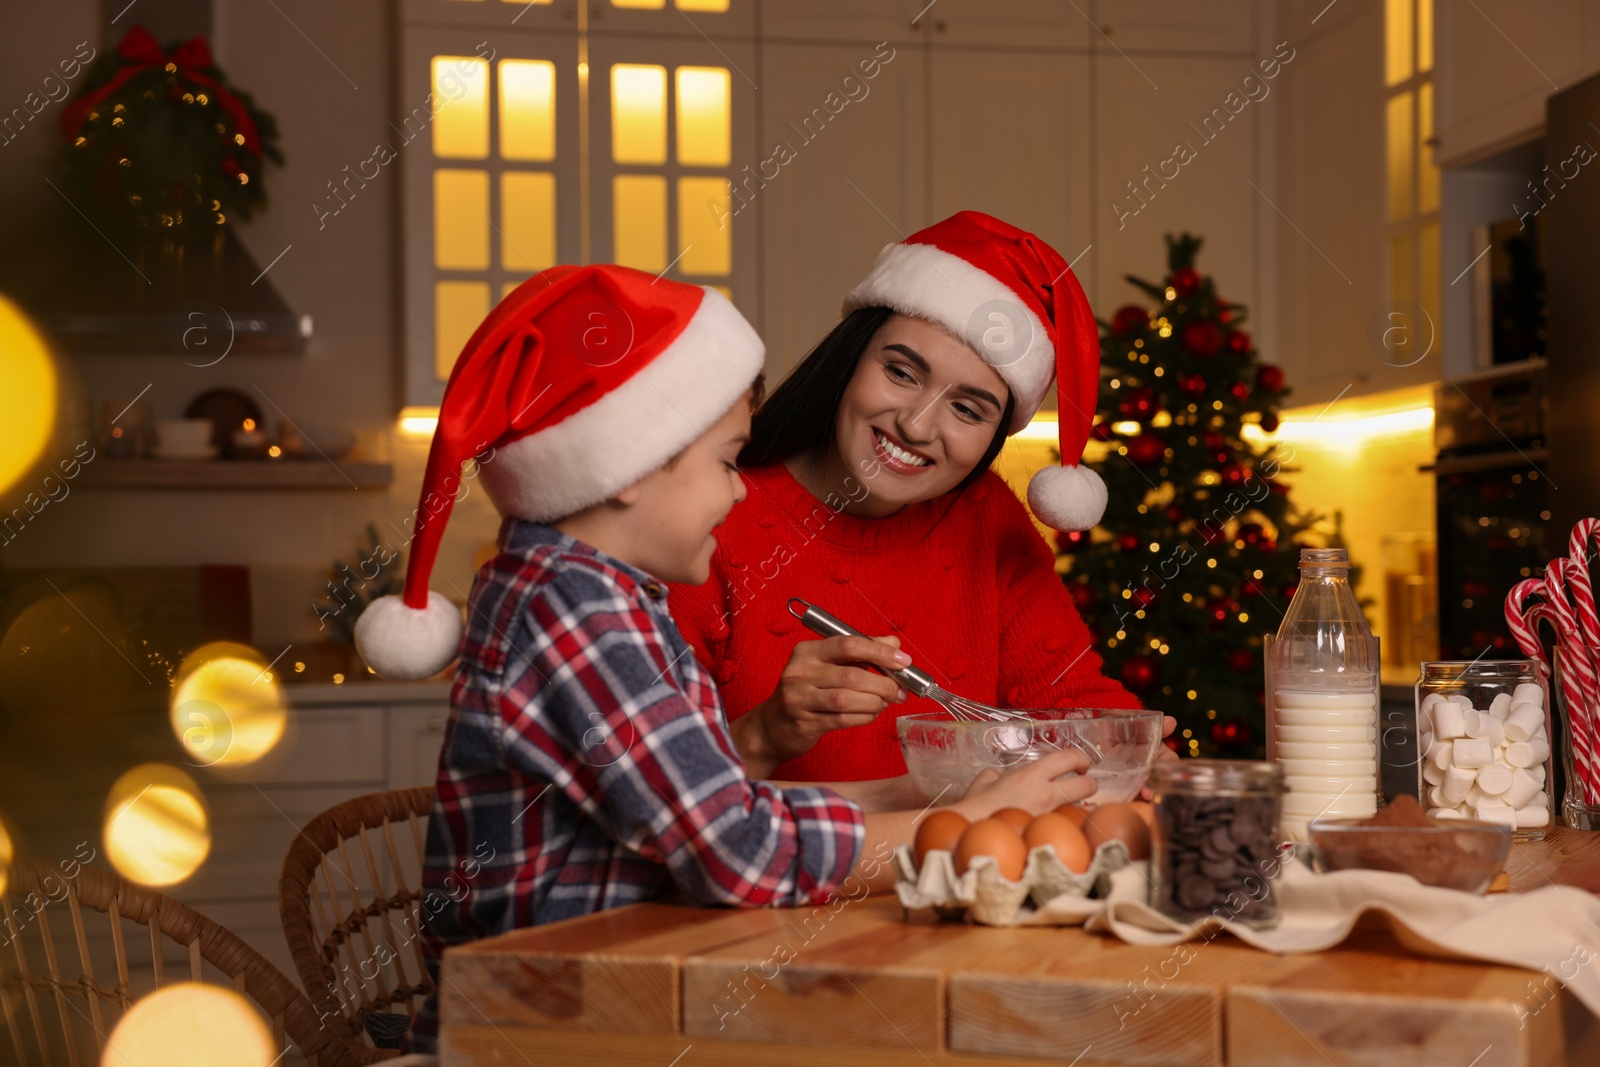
944, 754
1460, 854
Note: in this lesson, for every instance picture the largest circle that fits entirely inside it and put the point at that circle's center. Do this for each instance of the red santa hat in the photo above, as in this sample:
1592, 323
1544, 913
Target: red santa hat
582, 381
1016, 302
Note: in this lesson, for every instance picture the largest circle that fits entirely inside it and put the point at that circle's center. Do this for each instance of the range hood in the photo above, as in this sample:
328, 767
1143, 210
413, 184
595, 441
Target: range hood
97, 297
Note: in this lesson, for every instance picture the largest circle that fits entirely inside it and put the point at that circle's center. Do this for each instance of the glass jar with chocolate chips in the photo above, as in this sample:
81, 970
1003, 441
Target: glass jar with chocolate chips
1215, 849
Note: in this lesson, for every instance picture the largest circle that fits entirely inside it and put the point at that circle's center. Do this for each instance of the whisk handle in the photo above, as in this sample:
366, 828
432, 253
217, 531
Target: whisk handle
820, 622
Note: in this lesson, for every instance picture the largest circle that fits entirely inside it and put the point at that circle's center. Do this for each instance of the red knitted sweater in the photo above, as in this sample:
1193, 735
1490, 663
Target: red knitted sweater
964, 580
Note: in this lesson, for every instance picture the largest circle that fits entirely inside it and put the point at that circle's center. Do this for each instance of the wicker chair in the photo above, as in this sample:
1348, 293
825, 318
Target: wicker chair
49, 1018
351, 929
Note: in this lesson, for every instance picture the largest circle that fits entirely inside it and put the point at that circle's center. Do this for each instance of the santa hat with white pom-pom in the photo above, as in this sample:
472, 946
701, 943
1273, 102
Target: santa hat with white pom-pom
1016, 302
582, 381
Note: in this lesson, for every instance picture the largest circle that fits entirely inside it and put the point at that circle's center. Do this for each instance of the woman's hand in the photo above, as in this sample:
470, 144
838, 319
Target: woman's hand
826, 685
1046, 783
1168, 724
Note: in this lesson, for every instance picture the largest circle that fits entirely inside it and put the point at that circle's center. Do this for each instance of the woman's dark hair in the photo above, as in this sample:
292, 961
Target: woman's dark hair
787, 423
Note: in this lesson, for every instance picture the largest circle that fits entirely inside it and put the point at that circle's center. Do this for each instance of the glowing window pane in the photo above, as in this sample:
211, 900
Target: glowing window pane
527, 220
1397, 43
461, 219
1402, 257
458, 308
711, 6
527, 109
1427, 170
703, 116
639, 221
705, 240
460, 107
1424, 36
1428, 267
1402, 146
640, 5
638, 113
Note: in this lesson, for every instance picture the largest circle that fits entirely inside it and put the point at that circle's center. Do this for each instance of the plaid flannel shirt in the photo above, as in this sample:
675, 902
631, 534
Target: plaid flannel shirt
587, 765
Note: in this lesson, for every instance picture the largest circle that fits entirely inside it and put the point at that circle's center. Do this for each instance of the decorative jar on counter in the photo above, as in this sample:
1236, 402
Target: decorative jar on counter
1484, 740
1215, 846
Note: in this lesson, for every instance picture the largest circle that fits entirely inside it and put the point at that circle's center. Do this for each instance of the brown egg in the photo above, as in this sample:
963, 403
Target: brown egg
1061, 834
1146, 811
1118, 822
1015, 818
938, 831
1073, 812
992, 837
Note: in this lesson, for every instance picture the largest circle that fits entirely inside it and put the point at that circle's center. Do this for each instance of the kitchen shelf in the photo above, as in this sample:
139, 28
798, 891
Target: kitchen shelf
235, 474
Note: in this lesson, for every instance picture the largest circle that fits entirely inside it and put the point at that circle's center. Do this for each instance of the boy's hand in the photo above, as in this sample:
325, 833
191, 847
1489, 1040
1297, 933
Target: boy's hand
826, 685
1046, 783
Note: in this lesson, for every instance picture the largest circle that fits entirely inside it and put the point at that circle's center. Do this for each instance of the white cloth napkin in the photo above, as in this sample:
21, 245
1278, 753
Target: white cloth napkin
1554, 929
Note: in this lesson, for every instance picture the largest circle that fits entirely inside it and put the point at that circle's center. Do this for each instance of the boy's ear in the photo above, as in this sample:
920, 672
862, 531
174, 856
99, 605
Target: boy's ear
629, 496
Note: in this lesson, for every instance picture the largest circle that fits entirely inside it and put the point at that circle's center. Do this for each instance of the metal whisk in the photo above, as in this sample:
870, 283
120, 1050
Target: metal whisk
919, 682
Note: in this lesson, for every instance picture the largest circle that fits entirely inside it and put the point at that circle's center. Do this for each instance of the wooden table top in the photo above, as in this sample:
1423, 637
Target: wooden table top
658, 985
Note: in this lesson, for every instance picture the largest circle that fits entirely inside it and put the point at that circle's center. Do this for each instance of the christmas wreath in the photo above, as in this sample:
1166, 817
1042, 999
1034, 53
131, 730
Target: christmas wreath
162, 143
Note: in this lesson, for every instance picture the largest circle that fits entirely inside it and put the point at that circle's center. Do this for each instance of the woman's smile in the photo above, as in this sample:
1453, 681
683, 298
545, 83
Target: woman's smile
897, 455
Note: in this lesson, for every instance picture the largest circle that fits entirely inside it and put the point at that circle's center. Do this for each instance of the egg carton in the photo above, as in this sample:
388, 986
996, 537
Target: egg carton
984, 895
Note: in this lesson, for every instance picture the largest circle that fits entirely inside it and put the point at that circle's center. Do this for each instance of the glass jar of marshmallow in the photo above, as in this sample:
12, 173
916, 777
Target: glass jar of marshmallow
1484, 741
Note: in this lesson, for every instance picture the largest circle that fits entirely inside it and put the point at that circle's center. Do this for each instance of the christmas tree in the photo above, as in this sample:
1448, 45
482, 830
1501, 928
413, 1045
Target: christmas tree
1197, 555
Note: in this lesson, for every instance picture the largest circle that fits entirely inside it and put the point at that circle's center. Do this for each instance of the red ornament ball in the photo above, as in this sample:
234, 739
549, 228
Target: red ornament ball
1130, 319
1215, 442
1233, 474
1221, 611
1269, 378
1192, 384
1146, 450
1240, 390
1139, 672
1101, 431
1071, 540
1128, 542
1203, 338
1186, 281
1143, 597
1138, 404
1239, 341
1241, 660
1269, 422
1230, 733
1251, 532
1224, 311
1279, 488
1174, 513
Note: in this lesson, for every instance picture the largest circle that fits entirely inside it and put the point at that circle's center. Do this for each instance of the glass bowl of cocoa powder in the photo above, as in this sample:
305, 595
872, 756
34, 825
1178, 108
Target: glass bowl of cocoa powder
1461, 854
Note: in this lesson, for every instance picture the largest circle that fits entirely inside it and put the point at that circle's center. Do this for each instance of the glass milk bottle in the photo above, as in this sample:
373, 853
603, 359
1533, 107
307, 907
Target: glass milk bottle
1322, 698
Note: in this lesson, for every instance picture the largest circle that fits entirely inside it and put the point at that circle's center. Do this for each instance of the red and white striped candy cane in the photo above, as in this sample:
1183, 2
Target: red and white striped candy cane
1579, 668
1579, 583
1521, 620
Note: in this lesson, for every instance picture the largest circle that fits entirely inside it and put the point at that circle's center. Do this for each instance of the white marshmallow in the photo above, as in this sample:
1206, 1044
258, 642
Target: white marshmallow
1520, 754
1524, 721
1436, 797
1529, 692
1459, 701
1431, 774
1457, 784
1471, 752
1495, 730
1541, 799
1500, 706
1524, 787
1448, 721
1472, 722
1448, 813
1502, 815
1442, 754
1494, 779
1425, 709
1532, 815
1536, 772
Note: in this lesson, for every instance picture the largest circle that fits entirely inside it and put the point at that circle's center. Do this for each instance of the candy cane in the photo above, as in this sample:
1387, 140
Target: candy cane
1520, 620
1579, 583
1575, 655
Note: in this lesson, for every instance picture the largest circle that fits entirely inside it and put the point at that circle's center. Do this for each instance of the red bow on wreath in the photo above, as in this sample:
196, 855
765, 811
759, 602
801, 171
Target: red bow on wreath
140, 52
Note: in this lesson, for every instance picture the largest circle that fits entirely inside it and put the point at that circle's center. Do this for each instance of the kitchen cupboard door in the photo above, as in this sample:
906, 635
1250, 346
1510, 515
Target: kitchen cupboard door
1173, 156
416, 734
853, 21
1332, 272
670, 18
1016, 23
1218, 26
1011, 136
838, 183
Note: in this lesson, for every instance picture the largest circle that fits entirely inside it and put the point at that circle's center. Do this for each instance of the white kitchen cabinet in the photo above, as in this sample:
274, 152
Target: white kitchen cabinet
843, 184
416, 731
1012, 137
1148, 106
1218, 26
1015, 24
852, 21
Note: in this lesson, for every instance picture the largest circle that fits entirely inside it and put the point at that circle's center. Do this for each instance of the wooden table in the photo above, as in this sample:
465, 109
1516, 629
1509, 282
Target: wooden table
656, 985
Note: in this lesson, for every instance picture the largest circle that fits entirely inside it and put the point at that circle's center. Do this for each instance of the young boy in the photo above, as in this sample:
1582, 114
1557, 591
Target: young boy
587, 763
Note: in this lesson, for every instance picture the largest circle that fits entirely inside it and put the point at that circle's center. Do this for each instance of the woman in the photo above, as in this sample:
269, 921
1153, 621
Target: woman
871, 497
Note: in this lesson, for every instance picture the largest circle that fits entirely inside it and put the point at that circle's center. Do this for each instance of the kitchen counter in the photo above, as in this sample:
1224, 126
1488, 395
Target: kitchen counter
655, 985
323, 694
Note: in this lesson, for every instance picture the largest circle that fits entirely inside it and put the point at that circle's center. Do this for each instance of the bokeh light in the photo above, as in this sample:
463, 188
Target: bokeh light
190, 1025
226, 706
8, 852
67, 654
29, 395
156, 830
